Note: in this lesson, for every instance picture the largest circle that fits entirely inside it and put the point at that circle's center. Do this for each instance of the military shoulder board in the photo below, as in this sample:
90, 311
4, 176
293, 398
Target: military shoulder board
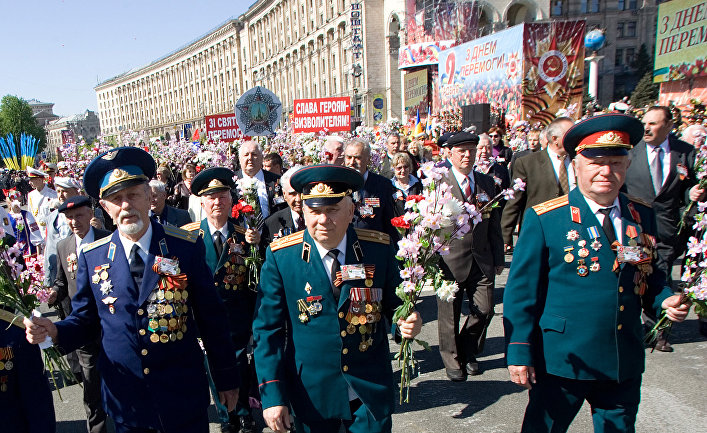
639, 201
95, 244
191, 226
373, 236
287, 241
551, 205
178, 233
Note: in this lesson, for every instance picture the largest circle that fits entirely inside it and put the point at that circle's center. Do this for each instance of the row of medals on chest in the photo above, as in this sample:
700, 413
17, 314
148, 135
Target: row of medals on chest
583, 253
235, 269
166, 309
6, 364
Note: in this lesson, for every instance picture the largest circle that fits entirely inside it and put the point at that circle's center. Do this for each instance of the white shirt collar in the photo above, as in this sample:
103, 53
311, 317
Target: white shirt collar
554, 156
223, 230
295, 216
594, 206
461, 177
665, 145
341, 247
259, 175
143, 243
86, 239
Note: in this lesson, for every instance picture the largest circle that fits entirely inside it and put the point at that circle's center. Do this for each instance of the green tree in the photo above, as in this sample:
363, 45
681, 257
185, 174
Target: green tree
646, 92
16, 117
644, 61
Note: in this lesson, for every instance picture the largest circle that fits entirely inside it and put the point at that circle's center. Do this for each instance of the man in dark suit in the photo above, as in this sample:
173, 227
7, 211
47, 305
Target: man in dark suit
285, 221
473, 262
227, 246
78, 213
374, 202
250, 158
547, 174
395, 144
147, 293
161, 211
662, 174
533, 140
572, 304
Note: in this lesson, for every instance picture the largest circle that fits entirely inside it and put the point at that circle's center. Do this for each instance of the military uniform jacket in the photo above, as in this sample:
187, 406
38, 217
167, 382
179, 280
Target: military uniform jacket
578, 327
145, 383
230, 278
374, 205
323, 359
26, 404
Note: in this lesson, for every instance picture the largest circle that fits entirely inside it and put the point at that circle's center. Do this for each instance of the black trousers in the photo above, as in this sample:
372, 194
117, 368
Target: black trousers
95, 415
457, 344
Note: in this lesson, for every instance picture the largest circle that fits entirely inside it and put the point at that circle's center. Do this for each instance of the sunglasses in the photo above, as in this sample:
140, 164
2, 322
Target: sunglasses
494, 135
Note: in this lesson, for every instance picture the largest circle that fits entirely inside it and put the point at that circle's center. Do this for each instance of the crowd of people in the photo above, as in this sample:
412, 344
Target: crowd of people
142, 259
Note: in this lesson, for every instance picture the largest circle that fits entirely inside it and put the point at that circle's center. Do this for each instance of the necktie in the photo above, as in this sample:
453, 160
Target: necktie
137, 266
467, 188
300, 223
218, 243
562, 175
335, 267
657, 169
608, 225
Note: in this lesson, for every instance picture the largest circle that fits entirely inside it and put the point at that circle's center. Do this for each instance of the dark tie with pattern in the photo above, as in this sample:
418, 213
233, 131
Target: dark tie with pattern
657, 169
218, 243
137, 266
608, 225
300, 223
562, 175
335, 267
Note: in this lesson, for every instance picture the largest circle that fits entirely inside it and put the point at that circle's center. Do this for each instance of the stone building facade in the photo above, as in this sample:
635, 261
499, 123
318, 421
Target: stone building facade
84, 125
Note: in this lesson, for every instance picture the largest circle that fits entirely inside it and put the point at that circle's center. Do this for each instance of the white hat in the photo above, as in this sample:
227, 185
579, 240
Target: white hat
66, 182
33, 172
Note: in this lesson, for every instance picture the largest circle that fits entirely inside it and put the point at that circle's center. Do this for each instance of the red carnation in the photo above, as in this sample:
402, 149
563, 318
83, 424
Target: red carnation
399, 222
415, 198
247, 209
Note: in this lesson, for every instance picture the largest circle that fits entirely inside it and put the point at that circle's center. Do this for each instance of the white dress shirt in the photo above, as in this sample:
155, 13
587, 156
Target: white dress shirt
650, 152
295, 216
80, 242
555, 159
223, 230
143, 244
462, 179
259, 179
615, 215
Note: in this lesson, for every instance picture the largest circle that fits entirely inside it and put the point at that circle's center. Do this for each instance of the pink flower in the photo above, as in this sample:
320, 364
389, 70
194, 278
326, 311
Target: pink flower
518, 184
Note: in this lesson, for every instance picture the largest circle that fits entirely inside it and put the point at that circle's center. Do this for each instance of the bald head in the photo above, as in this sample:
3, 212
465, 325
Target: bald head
250, 157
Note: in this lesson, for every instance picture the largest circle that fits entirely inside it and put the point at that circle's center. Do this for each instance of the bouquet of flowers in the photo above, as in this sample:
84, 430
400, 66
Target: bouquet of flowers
432, 221
22, 289
694, 275
249, 207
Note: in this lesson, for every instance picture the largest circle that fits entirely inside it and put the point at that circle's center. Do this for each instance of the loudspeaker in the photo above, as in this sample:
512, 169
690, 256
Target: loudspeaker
478, 115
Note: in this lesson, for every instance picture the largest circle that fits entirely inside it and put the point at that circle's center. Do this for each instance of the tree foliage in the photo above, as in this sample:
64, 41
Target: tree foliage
16, 117
646, 92
644, 61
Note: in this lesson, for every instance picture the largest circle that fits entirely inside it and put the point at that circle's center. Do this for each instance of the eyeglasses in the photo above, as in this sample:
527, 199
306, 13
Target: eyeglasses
494, 135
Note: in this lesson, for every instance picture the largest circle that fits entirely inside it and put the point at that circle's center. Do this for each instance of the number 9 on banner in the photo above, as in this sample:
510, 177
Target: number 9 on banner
449, 67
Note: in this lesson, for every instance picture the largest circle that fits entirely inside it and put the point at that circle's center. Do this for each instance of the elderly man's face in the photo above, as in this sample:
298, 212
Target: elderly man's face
356, 157
129, 208
333, 152
250, 158
462, 157
533, 142
158, 200
483, 150
600, 178
217, 206
292, 197
393, 144
79, 220
65, 193
328, 224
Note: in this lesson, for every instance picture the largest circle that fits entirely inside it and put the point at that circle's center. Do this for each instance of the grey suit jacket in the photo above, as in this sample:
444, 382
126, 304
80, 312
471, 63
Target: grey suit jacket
483, 244
541, 185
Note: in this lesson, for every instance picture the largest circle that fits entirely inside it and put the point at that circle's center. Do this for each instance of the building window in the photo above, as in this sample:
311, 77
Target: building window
556, 8
630, 56
631, 29
619, 57
620, 30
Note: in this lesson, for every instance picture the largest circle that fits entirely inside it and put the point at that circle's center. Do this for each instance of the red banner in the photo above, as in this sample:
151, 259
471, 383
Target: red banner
323, 114
223, 125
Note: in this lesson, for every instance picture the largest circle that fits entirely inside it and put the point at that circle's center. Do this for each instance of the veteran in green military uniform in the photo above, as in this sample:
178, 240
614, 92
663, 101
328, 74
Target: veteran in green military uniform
227, 246
320, 342
583, 269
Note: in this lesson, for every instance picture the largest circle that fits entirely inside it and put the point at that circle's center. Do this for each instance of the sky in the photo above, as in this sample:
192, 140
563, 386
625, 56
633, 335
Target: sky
58, 50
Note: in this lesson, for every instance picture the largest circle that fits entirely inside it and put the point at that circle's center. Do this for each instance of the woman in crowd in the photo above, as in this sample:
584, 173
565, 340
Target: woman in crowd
182, 191
487, 164
404, 182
